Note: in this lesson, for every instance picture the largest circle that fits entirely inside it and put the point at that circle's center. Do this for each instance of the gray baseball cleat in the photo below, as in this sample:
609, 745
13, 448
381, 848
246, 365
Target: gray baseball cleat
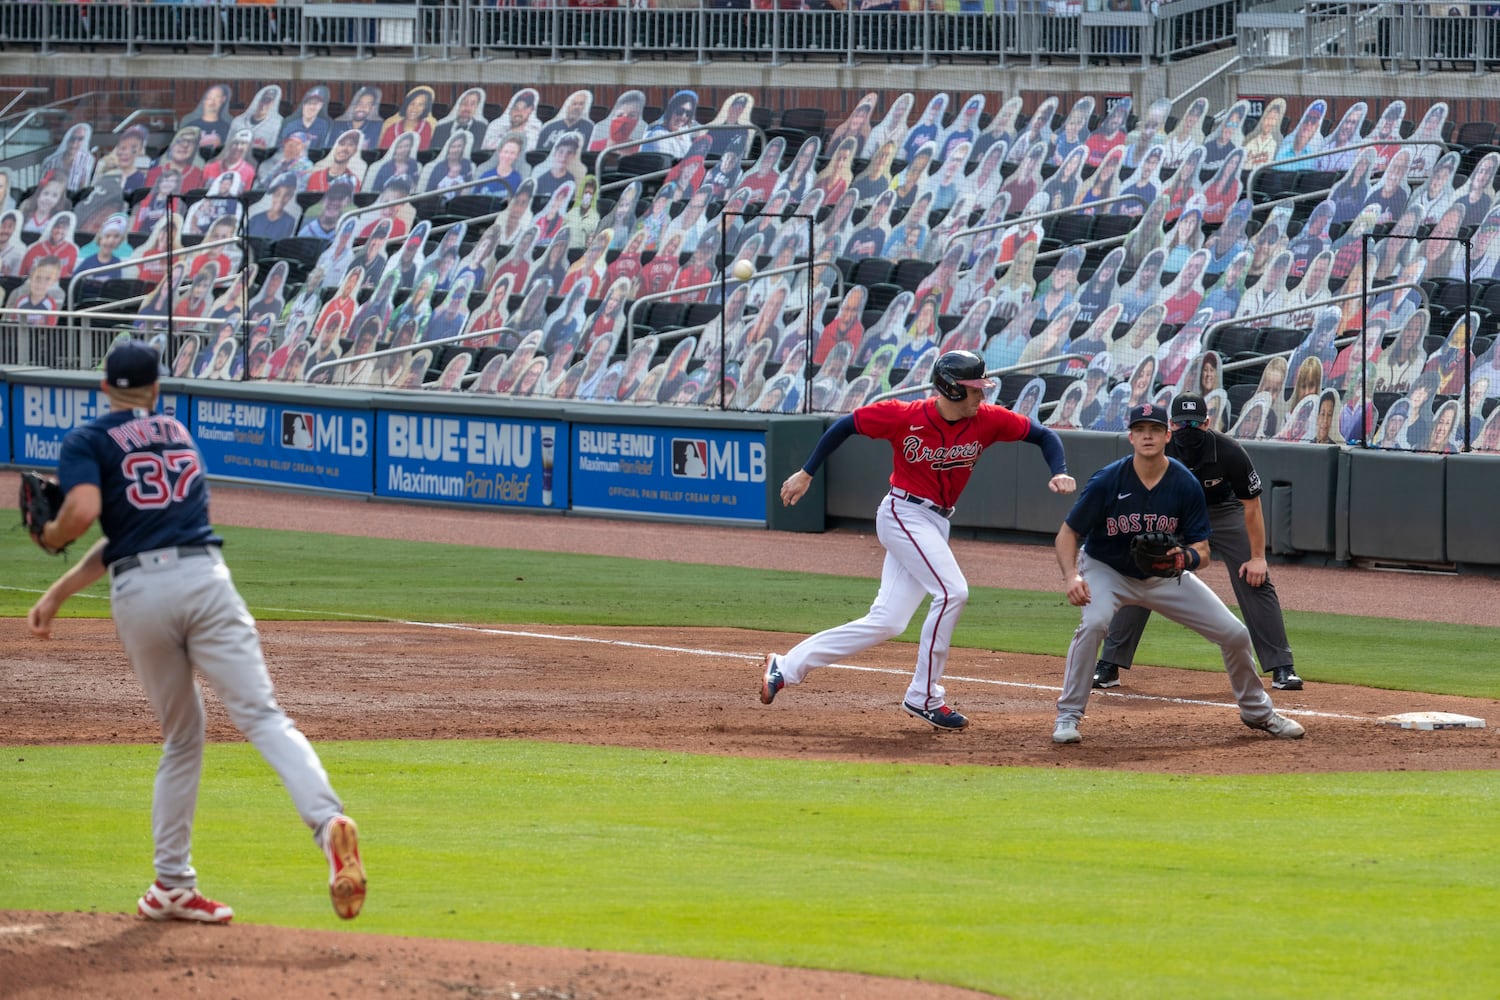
1066, 732
1278, 726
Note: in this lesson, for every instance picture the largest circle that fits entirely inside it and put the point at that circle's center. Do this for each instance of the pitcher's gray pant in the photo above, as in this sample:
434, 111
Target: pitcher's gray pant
1187, 601
1261, 606
174, 614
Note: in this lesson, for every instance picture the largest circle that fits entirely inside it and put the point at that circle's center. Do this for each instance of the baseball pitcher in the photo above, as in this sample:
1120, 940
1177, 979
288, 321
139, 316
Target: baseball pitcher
175, 608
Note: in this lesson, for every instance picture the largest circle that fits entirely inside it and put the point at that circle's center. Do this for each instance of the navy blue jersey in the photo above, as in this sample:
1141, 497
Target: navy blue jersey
1115, 507
152, 489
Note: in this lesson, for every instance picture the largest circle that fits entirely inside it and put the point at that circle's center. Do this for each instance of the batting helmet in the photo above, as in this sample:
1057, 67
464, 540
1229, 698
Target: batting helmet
956, 371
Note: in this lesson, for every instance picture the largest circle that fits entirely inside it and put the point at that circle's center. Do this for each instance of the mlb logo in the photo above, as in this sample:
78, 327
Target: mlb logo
690, 458
297, 430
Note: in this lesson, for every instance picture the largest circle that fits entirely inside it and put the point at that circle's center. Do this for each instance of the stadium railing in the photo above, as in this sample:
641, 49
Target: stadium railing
987, 31
926, 385
1372, 35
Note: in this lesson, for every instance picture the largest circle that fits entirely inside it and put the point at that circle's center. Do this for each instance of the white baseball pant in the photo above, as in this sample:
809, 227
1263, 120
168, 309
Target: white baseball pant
918, 562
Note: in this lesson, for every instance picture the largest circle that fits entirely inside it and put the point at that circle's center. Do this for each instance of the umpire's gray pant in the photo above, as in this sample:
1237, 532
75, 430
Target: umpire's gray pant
1187, 601
1260, 606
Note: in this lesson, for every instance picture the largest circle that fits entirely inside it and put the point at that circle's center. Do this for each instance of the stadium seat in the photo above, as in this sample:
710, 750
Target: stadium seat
1011, 386
699, 313
882, 294
1070, 229
1239, 394
1108, 227
909, 274
1231, 340
1279, 339
808, 120
1271, 185
1474, 133
663, 315
871, 271
1056, 384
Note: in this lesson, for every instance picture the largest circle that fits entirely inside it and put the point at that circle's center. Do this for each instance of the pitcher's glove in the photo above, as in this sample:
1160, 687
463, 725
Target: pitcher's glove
1160, 553
41, 499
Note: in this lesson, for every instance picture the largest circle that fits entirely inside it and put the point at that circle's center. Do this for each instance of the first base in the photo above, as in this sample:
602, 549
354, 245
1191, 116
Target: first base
1432, 720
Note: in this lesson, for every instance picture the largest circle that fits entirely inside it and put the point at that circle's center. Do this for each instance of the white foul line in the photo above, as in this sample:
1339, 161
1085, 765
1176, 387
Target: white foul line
625, 644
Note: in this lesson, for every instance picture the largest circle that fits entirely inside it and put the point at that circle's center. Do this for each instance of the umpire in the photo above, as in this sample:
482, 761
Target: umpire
1232, 488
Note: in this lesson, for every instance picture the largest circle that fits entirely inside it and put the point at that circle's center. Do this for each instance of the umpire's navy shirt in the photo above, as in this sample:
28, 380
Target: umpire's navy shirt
152, 490
1115, 506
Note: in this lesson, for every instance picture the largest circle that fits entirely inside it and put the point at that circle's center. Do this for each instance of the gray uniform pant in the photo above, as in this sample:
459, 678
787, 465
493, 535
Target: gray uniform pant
1260, 606
1187, 601
175, 614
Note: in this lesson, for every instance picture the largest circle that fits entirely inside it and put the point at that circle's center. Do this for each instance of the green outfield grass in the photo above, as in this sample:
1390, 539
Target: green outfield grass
327, 576
1039, 883
1031, 883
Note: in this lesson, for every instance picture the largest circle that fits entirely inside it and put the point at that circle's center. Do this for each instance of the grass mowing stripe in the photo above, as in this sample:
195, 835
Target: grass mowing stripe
1039, 883
342, 576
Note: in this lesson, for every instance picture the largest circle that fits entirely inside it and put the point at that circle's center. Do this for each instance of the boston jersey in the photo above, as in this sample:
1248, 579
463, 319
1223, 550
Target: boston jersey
1115, 506
933, 458
152, 489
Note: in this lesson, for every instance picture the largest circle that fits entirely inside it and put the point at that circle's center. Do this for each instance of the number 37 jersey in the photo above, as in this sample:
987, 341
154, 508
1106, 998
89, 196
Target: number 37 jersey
152, 489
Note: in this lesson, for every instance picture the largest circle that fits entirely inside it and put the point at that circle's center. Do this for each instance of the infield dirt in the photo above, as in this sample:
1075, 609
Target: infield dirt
353, 681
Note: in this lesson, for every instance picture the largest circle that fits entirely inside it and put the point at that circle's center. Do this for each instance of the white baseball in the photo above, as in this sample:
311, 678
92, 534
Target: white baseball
743, 270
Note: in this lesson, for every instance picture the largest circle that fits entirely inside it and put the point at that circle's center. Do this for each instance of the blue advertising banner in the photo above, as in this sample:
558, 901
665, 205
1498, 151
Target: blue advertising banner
670, 470
5, 422
464, 459
41, 415
285, 443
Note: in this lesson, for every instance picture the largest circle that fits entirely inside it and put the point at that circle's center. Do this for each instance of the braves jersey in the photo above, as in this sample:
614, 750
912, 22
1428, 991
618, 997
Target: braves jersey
150, 476
933, 458
1221, 466
1115, 506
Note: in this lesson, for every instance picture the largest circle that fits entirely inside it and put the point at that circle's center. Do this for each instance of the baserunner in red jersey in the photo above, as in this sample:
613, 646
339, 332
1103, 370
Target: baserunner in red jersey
935, 443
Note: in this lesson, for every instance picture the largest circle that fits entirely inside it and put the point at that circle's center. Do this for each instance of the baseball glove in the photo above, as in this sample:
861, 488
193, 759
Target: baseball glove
1158, 553
41, 499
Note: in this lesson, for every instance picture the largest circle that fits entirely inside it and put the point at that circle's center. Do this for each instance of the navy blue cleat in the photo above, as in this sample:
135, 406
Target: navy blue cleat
942, 717
772, 681
1285, 679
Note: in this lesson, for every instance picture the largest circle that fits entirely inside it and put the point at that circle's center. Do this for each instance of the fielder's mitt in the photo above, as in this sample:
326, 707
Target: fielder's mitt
1158, 553
41, 499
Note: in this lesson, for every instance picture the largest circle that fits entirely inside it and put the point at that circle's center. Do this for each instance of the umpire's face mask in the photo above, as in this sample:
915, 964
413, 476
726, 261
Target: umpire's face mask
1191, 439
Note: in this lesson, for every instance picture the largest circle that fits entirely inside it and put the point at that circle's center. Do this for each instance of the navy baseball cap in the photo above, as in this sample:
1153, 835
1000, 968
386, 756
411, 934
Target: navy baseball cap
1189, 406
131, 365
1147, 413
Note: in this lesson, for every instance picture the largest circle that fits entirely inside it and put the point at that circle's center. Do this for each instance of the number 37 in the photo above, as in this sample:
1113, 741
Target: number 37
159, 480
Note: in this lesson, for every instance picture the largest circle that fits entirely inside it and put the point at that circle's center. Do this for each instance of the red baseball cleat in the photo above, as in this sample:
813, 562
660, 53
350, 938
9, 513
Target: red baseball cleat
161, 903
346, 873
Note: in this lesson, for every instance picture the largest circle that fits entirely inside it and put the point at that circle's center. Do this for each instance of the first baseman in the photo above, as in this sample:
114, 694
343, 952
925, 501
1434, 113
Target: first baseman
175, 608
935, 443
1237, 528
1147, 492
